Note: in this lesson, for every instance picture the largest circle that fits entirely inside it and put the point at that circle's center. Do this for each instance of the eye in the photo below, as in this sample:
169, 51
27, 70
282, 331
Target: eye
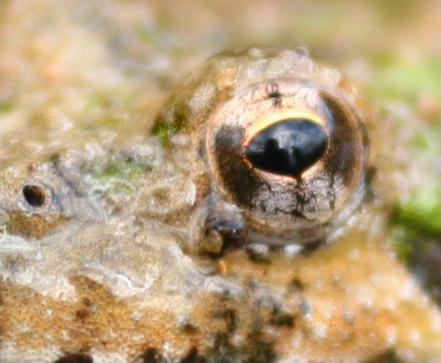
293, 160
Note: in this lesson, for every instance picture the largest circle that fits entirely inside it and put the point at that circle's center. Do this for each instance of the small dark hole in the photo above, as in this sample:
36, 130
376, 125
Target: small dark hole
34, 195
151, 355
75, 358
193, 357
297, 284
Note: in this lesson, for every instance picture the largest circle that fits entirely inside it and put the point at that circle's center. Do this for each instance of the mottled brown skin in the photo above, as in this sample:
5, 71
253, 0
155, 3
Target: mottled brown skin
277, 209
145, 276
40, 200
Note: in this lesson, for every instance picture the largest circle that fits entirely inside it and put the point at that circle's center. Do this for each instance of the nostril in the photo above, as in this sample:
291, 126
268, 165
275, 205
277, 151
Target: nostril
34, 195
288, 147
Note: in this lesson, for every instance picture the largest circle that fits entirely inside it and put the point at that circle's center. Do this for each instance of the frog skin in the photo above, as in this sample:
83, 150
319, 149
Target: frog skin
180, 270
228, 109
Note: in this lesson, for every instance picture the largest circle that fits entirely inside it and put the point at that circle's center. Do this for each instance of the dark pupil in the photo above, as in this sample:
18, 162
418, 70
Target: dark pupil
289, 147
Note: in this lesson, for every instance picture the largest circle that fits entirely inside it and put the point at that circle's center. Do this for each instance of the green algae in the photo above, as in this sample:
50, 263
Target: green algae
122, 174
422, 211
169, 126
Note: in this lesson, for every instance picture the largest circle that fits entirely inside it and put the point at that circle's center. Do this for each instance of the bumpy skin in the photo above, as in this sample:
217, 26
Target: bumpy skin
219, 108
131, 283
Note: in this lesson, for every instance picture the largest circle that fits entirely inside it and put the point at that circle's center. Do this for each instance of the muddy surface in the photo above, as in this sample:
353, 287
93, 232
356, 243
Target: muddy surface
102, 214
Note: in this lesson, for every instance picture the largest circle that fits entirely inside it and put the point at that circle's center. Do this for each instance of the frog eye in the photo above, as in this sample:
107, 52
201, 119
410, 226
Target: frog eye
293, 160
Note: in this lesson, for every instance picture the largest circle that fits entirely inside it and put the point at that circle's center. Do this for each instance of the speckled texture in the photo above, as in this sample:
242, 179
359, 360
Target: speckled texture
109, 268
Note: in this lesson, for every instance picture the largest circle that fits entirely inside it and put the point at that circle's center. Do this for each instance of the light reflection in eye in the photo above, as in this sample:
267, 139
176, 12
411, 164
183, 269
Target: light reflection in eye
288, 147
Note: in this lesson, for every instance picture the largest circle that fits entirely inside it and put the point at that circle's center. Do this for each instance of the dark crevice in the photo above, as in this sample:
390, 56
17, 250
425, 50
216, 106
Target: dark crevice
75, 358
34, 195
151, 355
193, 357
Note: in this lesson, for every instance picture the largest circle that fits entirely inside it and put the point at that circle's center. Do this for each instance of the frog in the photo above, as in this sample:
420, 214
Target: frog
192, 243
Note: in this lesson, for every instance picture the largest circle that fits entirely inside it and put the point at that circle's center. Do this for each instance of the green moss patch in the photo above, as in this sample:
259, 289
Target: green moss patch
422, 211
122, 173
169, 125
